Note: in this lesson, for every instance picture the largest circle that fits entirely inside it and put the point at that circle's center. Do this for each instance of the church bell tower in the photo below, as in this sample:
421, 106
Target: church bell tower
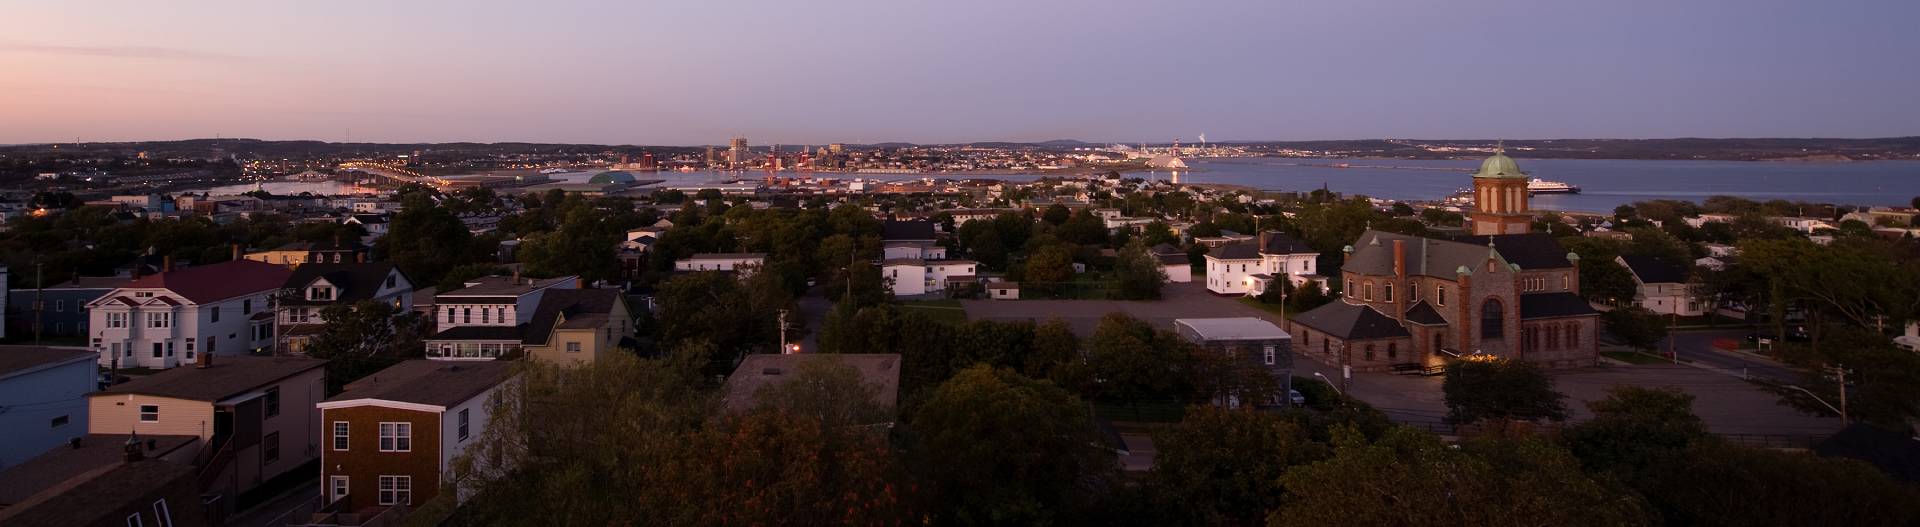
1500, 197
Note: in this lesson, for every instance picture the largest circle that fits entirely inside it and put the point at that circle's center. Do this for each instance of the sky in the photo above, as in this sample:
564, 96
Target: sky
685, 72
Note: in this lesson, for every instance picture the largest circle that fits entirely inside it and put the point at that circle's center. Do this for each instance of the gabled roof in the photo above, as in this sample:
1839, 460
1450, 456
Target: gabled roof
354, 281
1166, 248
59, 465
429, 382
1550, 305
207, 283
1275, 242
906, 230
1351, 322
573, 309
1536, 250
229, 376
1373, 255
1653, 270
1424, 314
1235, 251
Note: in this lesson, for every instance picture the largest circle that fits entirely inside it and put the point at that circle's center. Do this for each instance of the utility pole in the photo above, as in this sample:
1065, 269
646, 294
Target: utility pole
783, 331
39, 302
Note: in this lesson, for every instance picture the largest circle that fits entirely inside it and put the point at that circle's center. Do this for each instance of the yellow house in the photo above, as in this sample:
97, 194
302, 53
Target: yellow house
578, 325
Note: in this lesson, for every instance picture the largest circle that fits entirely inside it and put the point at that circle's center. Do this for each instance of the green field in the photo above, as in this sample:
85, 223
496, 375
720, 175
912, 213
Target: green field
948, 311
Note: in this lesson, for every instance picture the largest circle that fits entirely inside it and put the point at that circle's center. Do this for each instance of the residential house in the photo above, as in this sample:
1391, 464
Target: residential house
910, 240
742, 263
42, 399
313, 287
63, 306
908, 277
486, 319
1174, 263
164, 320
1253, 341
294, 254
375, 224
1003, 290
1249, 267
392, 437
108, 480
1663, 287
253, 416
579, 326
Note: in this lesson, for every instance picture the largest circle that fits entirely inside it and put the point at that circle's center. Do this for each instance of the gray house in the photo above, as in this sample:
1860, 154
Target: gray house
1261, 344
63, 307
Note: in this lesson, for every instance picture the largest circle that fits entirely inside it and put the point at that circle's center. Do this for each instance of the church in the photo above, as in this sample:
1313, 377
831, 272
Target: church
1412, 304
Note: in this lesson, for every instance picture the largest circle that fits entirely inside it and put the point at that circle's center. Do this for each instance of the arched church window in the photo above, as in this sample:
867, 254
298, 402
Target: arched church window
1492, 319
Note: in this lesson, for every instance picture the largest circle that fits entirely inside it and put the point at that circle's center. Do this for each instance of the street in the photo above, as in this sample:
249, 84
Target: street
1697, 346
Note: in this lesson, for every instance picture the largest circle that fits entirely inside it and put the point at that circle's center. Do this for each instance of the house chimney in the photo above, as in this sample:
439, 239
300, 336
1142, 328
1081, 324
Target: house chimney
132, 451
204, 360
516, 277
236, 251
166, 264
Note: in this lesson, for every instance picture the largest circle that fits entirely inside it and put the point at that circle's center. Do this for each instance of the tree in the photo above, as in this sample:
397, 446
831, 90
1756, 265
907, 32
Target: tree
1223, 467
1050, 267
364, 337
713, 308
1158, 232
998, 448
1137, 273
1056, 214
1055, 352
1132, 361
425, 240
1503, 389
1605, 281
1410, 477
1636, 326
1719, 484
1636, 429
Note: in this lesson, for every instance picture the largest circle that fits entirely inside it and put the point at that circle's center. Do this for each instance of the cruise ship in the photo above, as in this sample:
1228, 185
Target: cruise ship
1541, 186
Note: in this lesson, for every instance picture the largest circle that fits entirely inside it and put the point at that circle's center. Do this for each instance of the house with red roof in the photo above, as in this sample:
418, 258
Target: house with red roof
164, 320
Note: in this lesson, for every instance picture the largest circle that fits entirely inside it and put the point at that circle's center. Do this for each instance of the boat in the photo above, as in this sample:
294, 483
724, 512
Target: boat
1541, 186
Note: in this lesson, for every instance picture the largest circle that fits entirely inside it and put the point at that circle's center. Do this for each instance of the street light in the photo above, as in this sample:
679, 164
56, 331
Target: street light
1843, 413
1336, 389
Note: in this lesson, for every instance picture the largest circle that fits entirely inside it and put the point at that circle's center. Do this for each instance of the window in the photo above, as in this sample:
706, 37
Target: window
161, 515
133, 520
246, 307
1369, 352
463, 424
119, 320
189, 347
466, 315
1440, 294
340, 431
1492, 319
273, 401
169, 348
573, 347
396, 437
1393, 350
1268, 355
1413, 292
159, 349
339, 487
211, 341
1388, 292
1349, 288
486, 316
59, 305
270, 447
449, 315
396, 490
149, 413
59, 421
320, 293
1366, 291
1566, 283
390, 281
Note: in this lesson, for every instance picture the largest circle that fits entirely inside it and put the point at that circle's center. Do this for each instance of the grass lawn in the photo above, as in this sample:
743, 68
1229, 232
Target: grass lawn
1635, 358
948, 311
1263, 306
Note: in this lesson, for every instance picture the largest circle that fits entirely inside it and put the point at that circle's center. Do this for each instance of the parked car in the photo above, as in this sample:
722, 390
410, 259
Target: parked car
1296, 398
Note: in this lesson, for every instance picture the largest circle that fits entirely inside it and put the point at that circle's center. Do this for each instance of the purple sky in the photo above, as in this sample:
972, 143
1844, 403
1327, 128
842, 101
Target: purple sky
796, 72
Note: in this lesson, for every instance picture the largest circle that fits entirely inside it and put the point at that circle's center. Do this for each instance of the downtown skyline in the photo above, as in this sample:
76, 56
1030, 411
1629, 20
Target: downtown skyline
860, 72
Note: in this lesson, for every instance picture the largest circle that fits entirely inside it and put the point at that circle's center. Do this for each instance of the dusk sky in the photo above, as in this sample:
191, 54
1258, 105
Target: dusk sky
811, 72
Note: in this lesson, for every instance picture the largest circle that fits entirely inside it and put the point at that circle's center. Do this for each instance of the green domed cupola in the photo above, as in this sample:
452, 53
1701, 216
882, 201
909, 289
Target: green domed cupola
1500, 166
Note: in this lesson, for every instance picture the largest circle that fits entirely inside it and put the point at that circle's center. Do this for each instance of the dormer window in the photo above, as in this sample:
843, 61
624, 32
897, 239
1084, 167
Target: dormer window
320, 292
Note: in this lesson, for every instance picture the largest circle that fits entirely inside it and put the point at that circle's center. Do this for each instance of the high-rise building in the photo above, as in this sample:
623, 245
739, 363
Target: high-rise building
836, 148
736, 151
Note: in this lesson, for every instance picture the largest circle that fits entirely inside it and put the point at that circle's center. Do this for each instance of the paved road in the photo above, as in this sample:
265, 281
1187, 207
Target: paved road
1698, 346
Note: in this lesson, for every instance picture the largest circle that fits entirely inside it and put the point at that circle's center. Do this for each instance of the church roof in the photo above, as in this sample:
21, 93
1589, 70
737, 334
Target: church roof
1373, 255
1500, 166
1351, 322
